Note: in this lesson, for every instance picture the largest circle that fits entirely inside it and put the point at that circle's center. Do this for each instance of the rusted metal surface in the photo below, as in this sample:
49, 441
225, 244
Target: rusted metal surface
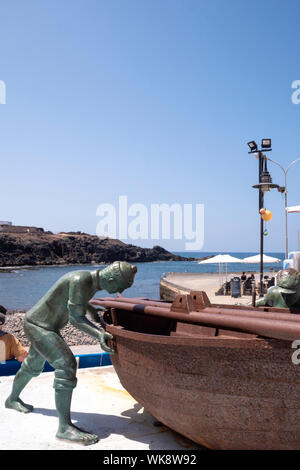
284, 326
223, 393
201, 301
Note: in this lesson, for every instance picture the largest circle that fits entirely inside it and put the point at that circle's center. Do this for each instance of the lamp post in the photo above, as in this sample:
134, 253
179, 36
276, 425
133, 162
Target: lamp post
284, 189
264, 185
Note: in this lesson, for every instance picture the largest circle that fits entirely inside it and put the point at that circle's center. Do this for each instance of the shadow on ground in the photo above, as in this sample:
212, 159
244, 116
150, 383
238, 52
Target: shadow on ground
144, 430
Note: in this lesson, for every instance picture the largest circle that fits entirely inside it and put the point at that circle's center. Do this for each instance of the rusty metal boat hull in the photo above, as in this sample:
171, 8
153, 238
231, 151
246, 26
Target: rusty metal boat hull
221, 389
223, 393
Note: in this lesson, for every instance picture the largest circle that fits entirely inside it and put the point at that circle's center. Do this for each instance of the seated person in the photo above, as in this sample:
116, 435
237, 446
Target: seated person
248, 286
243, 277
271, 282
10, 347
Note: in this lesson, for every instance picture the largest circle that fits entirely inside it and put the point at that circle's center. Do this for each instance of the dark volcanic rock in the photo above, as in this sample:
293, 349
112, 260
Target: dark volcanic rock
46, 248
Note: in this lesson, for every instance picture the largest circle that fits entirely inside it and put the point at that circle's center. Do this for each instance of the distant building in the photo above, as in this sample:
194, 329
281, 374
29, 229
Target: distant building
8, 227
4, 222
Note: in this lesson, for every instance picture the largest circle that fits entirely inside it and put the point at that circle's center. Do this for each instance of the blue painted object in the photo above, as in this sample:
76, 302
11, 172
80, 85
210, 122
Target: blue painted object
85, 360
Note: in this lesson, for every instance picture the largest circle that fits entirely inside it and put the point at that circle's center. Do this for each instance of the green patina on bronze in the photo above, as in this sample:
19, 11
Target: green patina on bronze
67, 301
287, 292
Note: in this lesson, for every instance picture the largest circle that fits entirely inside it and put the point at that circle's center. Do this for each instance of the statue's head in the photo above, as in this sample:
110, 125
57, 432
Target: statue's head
117, 277
288, 281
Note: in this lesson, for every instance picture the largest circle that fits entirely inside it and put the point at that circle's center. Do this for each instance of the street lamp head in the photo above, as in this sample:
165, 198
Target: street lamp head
266, 143
265, 180
265, 187
252, 145
281, 189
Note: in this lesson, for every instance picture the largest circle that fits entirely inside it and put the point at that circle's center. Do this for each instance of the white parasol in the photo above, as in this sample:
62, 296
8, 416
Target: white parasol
221, 259
256, 259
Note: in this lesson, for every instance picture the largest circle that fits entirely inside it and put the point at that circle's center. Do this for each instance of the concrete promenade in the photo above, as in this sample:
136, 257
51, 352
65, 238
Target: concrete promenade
100, 405
209, 282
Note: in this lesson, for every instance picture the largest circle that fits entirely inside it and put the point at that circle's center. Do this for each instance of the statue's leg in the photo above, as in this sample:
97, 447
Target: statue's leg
31, 367
61, 358
66, 429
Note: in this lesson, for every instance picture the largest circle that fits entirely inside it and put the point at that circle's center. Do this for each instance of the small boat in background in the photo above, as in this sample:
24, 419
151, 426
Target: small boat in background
220, 375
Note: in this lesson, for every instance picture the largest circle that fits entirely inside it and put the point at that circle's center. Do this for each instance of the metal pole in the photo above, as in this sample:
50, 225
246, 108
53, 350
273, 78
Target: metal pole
286, 226
286, 223
261, 204
285, 200
261, 249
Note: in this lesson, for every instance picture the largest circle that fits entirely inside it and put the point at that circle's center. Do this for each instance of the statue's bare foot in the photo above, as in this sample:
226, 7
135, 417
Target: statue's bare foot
18, 405
76, 435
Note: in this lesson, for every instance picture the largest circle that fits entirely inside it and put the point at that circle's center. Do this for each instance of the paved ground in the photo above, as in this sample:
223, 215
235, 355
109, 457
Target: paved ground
86, 349
100, 405
210, 283
82, 349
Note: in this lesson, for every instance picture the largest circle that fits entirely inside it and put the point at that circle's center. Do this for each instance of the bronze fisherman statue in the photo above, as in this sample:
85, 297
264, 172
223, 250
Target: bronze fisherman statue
67, 301
286, 293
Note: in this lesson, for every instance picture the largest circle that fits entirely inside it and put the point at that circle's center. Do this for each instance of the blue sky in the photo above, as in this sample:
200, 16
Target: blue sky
155, 100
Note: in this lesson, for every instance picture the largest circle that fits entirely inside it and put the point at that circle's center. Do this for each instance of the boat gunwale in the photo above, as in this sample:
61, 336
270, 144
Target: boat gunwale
230, 342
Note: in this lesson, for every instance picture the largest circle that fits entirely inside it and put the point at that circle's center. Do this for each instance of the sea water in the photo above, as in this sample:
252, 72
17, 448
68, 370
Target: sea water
22, 288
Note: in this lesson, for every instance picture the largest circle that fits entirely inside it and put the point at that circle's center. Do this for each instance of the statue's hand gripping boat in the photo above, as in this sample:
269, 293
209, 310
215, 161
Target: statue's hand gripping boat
221, 375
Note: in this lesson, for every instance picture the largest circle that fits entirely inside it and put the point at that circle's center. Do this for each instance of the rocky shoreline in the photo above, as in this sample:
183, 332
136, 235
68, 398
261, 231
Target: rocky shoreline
73, 337
34, 248
73, 248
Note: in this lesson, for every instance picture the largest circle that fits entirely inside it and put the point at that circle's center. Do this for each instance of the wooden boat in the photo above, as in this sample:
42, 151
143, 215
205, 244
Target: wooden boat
219, 382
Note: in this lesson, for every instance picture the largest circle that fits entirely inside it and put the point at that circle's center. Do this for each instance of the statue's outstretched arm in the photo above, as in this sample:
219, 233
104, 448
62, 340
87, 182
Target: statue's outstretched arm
93, 313
80, 292
78, 319
261, 302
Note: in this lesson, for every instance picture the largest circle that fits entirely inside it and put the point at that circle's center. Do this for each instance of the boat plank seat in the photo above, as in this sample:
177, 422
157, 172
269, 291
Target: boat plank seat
186, 329
236, 334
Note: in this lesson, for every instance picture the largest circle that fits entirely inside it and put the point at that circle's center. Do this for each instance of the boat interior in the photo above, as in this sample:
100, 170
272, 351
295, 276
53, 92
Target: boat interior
140, 322
179, 318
